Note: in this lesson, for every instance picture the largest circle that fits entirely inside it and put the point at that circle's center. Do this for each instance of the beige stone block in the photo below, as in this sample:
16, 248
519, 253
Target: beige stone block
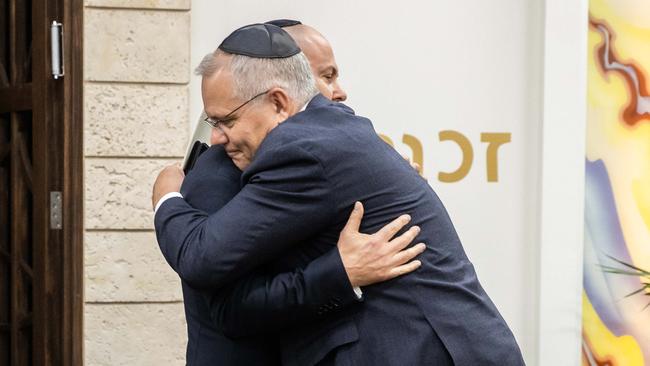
135, 120
134, 334
136, 45
141, 4
127, 266
118, 192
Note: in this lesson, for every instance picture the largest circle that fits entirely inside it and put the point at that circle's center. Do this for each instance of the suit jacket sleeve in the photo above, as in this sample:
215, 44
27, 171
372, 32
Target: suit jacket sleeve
262, 302
286, 200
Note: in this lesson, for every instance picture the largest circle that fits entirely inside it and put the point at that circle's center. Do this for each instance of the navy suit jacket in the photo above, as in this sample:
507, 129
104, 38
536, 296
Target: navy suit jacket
300, 188
213, 182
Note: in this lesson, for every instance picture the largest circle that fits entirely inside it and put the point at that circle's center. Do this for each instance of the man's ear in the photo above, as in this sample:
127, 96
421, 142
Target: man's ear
280, 100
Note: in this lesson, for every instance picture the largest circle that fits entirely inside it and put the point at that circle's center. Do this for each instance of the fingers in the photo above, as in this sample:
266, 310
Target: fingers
354, 222
417, 167
388, 231
176, 167
403, 240
408, 254
403, 269
168, 180
179, 167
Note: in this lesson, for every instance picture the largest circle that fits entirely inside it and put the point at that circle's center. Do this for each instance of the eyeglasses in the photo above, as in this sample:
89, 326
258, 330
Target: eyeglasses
217, 123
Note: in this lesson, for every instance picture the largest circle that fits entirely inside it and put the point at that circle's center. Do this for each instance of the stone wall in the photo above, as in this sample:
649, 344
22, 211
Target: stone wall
136, 66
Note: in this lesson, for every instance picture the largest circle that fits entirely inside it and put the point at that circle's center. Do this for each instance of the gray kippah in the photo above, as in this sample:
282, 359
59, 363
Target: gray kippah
260, 41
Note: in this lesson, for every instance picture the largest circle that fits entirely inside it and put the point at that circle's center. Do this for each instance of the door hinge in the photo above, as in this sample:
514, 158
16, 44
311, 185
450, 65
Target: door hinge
56, 215
56, 45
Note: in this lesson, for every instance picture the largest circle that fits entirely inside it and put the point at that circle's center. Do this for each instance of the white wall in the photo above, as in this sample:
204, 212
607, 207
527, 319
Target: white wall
419, 68
562, 182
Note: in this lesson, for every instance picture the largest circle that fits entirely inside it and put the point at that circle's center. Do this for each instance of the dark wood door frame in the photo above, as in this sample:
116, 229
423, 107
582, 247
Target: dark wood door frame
58, 161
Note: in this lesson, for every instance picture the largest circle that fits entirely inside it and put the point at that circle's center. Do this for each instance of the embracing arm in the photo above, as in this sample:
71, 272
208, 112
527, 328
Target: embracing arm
287, 200
265, 302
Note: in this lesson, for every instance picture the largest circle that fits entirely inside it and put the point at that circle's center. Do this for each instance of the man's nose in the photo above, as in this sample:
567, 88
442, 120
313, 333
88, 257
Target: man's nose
338, 94
217, 137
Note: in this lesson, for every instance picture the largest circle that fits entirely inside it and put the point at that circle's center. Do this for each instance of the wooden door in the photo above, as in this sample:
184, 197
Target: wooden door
40, 155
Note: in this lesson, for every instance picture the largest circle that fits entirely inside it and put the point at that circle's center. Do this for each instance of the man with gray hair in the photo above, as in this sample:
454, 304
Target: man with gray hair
306, 160
211, 184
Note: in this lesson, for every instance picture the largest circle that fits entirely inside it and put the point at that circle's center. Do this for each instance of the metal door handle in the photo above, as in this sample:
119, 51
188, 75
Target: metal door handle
56, 45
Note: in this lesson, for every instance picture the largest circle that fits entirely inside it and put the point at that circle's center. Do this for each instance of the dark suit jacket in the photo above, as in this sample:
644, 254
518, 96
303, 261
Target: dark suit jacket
213, 182
301, 186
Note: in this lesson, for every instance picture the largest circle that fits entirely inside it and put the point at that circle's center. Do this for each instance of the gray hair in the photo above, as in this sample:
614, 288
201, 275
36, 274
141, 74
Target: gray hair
252, 76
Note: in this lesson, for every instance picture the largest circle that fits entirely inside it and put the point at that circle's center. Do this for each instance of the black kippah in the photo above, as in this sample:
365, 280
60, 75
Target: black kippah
284, 22
260, 41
